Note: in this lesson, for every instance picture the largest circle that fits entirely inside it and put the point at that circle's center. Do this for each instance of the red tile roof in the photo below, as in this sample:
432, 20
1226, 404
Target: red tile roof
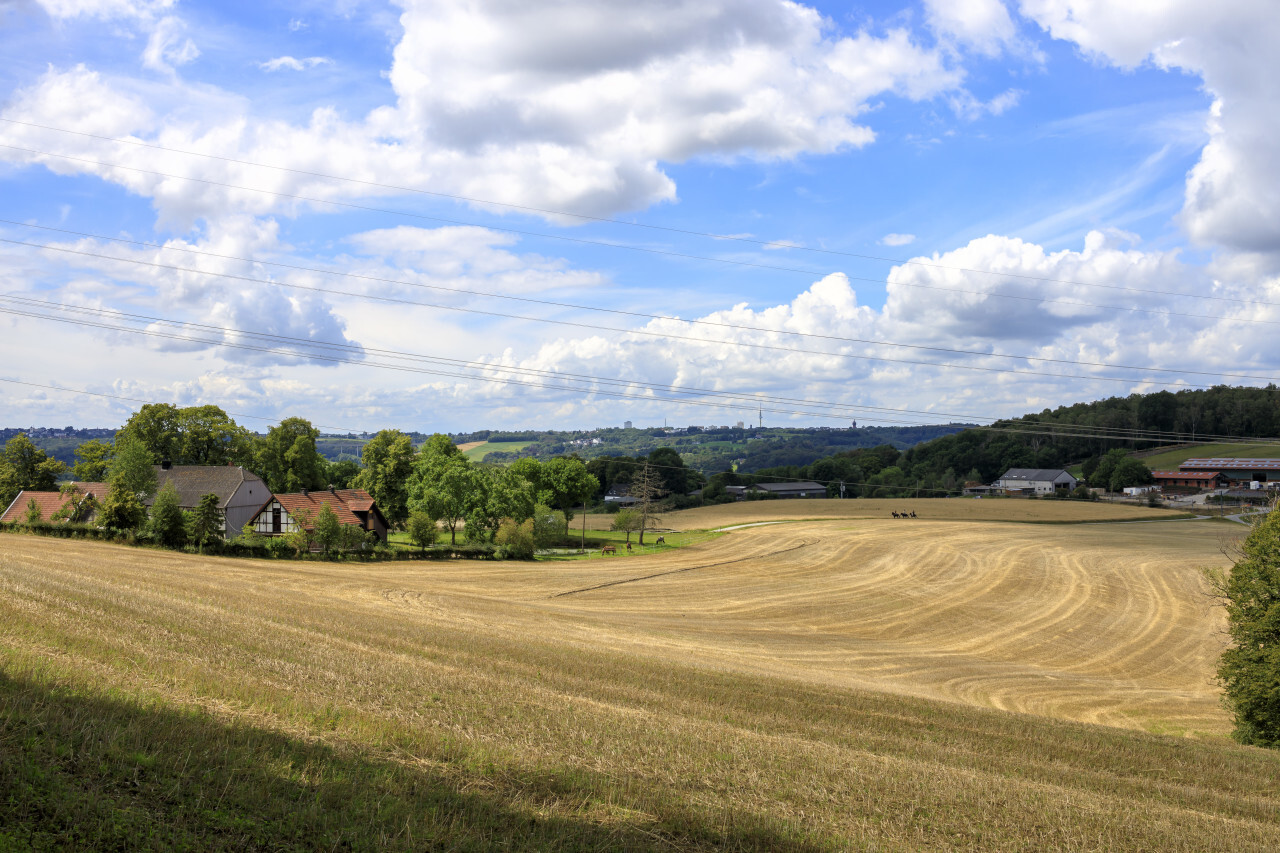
1185, 475
49, 502
311, 502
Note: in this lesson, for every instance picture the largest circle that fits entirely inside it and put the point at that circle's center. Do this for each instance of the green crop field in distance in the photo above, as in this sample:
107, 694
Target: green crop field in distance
477, 454
1173, 458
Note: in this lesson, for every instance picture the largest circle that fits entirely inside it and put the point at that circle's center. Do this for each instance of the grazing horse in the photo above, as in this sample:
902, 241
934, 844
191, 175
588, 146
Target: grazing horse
662, 540
628, 547
609, 549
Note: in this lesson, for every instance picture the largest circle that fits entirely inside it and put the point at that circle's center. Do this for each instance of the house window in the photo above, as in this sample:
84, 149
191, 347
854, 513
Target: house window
275, 518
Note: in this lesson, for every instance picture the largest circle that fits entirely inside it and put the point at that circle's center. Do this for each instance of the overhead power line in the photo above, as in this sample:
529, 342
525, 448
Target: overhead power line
769, 244
352, 354
595, 328
141, 401
557, 304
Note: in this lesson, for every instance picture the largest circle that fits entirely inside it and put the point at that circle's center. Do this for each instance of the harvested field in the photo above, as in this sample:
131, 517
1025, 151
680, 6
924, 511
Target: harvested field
776, 687
947, 509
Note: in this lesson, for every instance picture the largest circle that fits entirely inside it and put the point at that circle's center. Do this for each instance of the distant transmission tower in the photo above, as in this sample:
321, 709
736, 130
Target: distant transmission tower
761, 416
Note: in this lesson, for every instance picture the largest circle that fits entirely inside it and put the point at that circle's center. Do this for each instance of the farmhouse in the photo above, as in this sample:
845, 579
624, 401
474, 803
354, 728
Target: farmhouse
1236, 470
50, 503
619, 494
240, 492
1035, 481
282, 514
806, 490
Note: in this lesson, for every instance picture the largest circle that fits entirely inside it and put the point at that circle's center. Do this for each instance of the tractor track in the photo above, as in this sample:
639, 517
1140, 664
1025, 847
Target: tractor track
686, 569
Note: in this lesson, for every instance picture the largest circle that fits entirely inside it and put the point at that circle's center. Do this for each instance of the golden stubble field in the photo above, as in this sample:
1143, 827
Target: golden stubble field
719, 685
949, 509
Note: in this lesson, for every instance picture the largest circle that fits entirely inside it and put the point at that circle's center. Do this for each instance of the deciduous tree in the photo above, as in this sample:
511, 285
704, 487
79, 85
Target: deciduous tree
627, 520
388, 464
287, 459
445, 486
23, 466
92, 460
1250, 669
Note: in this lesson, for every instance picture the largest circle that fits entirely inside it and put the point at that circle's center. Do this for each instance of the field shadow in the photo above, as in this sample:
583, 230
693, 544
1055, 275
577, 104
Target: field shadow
91, 772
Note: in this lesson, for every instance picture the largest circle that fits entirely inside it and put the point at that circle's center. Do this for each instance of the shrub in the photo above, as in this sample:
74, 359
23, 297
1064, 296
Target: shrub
515, 540
422, 529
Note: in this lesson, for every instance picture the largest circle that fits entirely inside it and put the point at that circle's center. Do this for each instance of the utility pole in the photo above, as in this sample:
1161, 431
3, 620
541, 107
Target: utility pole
583, 546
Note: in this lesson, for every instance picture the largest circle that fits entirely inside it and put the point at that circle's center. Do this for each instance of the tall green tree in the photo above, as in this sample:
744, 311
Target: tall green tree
445, 486
23, 466
287, 459
388, 464
131, 468
206, 520
167, 521
342, 473
505, 495
567, 484
132, 479
671, 470
155, 425
195, 435
208, 436
1250, 669
92, 459
1129, 472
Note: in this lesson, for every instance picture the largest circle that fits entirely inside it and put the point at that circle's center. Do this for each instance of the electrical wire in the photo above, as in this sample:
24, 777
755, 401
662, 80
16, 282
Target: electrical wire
595, 328
557, 304
584, 383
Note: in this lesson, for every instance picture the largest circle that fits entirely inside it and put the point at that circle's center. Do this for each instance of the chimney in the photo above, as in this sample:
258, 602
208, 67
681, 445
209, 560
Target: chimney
304, 492
331, 491
165, 465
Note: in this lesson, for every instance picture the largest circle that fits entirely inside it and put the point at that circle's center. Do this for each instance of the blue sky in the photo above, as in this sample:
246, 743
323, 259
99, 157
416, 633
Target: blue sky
975, 208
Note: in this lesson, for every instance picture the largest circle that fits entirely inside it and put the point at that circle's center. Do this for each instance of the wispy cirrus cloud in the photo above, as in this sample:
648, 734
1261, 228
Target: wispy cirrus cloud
288, 63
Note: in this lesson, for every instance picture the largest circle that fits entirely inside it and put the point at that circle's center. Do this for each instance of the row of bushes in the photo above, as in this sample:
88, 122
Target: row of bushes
268, 548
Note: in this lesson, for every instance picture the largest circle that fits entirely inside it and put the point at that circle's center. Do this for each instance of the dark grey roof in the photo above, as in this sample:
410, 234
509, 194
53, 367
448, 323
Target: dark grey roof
808, 486
1035, 474
195, 481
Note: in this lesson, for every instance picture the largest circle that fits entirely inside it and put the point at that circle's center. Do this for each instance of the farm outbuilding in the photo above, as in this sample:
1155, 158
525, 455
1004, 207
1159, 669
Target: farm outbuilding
240, 492
1035, 481
1190, 480
1236, 470
51, 503
805, 490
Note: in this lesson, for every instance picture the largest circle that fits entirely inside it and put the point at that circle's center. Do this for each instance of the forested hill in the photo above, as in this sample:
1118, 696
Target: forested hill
1057, 438
707, 449
1072, 434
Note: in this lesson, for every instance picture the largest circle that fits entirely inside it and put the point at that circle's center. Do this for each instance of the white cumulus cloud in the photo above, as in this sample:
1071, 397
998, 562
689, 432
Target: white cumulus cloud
1233, 193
